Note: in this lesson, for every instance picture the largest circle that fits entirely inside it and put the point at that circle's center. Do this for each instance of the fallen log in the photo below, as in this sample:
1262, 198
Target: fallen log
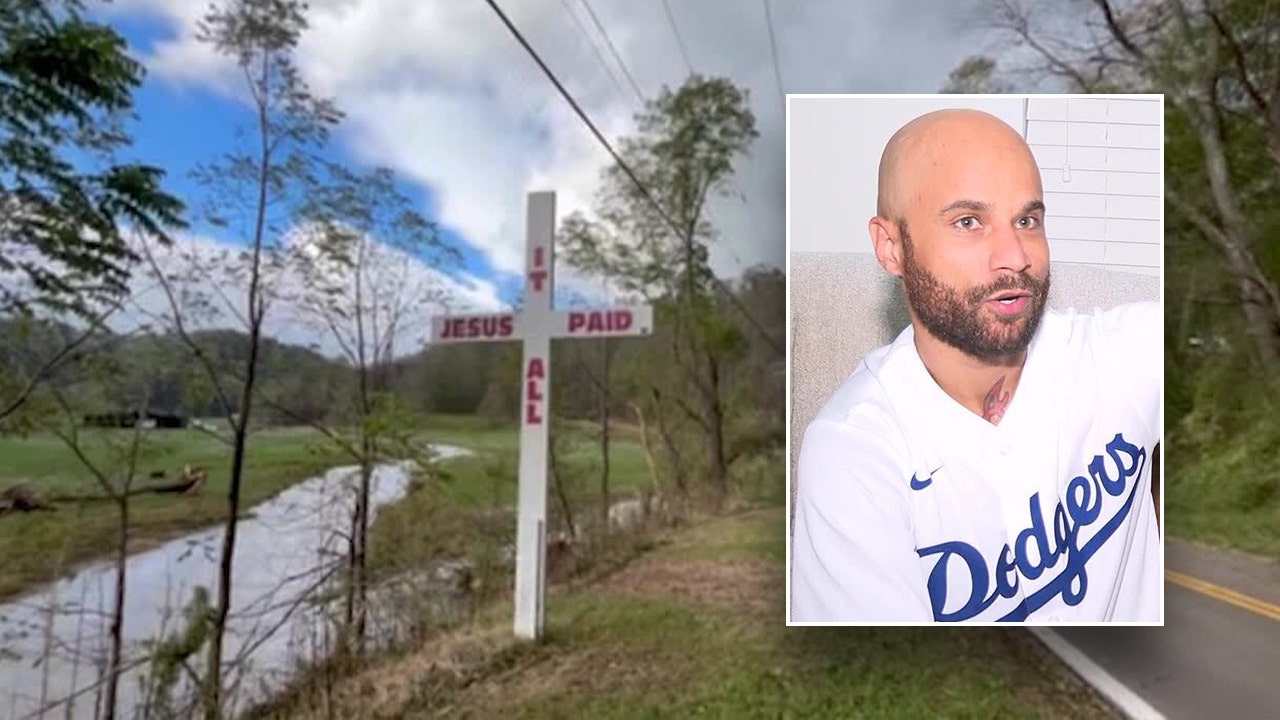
189, 483
20, 498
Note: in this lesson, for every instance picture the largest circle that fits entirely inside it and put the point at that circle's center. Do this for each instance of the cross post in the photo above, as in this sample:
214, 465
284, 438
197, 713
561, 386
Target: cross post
535, 324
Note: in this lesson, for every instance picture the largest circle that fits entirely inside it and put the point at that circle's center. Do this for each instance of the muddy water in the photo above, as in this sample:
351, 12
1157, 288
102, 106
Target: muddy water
282, 554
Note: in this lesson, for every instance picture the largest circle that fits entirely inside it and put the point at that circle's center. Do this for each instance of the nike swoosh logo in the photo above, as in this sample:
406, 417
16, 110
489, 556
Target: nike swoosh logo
921, 484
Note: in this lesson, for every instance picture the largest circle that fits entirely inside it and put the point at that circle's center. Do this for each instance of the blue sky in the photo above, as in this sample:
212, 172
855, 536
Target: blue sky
179, 127
439, 91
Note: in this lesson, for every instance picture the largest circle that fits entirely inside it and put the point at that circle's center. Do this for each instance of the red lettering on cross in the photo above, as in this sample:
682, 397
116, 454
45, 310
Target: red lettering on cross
536, 277
534, 374
531, 415
591, 322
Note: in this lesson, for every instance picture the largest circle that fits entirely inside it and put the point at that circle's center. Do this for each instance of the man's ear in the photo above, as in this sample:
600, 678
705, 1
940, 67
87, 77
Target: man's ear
885, 242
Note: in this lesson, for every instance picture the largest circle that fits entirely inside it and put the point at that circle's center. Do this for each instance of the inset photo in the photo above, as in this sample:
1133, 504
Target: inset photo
975, 359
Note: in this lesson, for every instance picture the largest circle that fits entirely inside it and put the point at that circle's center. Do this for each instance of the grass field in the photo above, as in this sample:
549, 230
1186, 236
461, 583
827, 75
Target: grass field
38, 547
441, 520
1229, 496
694, 628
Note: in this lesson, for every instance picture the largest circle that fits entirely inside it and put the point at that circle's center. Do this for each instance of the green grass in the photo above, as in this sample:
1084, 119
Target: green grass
728, 541
678, 658
444, 519
489, 475
1228, 496
1255, 532
39, 546
46, 461
695, 628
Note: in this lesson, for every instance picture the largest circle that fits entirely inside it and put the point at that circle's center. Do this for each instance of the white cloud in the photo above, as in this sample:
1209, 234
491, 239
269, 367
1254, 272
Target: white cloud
440, 91
210, 289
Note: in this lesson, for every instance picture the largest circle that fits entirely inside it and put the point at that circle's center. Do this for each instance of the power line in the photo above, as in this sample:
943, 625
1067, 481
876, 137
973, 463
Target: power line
515, 32
684, 52
773, 48
675, 30
614, 51
595, 46
737, 190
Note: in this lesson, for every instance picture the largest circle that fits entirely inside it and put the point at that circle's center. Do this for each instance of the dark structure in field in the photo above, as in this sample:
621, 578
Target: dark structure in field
131, 419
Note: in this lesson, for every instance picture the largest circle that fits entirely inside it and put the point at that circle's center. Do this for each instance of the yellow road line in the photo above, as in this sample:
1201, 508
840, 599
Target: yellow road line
1217, 592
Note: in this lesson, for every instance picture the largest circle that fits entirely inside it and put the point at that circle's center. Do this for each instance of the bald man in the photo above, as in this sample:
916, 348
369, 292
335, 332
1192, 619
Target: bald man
994, 462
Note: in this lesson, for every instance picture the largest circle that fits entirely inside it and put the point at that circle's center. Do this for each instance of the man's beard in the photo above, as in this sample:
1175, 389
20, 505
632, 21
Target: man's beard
957, 319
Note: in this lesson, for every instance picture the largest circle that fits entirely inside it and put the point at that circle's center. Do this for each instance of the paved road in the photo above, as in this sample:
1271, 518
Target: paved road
1218, 654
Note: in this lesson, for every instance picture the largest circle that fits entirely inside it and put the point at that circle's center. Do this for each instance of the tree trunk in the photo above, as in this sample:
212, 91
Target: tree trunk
1258, 295
648, 448
359, 562
117, 611
349, 608
668, 440
604, 436
226, 563
256, 312
713, 411
558, 487
362, 544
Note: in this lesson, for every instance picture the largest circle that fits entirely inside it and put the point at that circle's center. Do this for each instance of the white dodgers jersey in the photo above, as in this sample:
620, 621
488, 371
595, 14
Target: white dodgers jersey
911, 508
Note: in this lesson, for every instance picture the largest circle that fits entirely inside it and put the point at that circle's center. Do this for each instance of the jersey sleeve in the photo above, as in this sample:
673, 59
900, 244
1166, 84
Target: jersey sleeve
853, 549
1132, 337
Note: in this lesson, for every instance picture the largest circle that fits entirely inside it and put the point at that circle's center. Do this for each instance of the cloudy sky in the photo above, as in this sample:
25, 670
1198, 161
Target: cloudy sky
441, 93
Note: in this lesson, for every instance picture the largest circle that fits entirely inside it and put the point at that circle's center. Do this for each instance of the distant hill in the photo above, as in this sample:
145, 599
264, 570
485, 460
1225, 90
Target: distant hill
110, 372
113, 370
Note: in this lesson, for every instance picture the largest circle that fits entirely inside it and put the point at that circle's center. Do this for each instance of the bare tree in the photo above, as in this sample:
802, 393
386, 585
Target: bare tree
369, 267
114, 477
1217, 65
599, 379
256, 191
261, 36
602, 386
651, 236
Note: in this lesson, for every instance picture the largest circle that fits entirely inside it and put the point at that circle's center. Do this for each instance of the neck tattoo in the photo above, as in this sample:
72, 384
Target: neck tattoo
996, 401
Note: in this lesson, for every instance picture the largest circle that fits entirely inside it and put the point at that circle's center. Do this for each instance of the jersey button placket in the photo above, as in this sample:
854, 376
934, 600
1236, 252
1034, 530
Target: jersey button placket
1013, 499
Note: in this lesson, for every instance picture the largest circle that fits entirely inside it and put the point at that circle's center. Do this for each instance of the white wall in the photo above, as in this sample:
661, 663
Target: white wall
833, 158
1100, 160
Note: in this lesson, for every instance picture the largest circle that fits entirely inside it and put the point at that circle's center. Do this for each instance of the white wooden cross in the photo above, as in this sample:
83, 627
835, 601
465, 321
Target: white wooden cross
536, 323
